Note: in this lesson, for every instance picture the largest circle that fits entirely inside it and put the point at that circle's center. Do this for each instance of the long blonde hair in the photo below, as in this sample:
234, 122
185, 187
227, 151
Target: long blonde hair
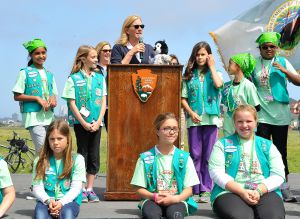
123, 40
82, 52
43, 163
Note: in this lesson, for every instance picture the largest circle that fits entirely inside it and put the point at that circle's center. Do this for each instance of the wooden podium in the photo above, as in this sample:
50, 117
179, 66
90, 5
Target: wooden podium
130, 121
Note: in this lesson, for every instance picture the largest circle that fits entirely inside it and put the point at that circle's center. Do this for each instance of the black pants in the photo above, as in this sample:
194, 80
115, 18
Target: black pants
88, 144
151, 210
270, 206
279, 135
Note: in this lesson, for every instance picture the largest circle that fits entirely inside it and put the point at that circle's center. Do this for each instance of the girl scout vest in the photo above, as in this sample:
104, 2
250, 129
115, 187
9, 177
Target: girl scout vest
227, 98
91, 100
51, 180
209, 98
33, 87
232, 159
278, 82
179, 165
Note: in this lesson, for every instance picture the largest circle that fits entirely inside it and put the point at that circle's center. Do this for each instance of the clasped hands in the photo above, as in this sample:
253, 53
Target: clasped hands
251, 197
47, 105
54, 208
92, 127
167, 199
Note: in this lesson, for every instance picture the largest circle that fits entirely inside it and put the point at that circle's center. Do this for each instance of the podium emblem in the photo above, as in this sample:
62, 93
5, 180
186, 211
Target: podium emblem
144, 83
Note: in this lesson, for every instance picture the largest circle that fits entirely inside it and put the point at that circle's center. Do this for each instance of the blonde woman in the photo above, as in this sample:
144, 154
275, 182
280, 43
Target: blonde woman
129, 48
104, 54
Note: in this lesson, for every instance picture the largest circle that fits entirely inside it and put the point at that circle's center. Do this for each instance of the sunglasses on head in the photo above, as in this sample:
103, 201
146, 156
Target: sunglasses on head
106, 50
267, 47
137, 26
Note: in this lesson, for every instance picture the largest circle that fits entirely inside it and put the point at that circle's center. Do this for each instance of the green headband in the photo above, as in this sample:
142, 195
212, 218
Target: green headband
268, 37
246, 61
33, 44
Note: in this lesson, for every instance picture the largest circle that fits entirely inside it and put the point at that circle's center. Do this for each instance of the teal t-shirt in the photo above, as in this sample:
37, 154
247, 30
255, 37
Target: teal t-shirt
35, 118
272, 112
244, 93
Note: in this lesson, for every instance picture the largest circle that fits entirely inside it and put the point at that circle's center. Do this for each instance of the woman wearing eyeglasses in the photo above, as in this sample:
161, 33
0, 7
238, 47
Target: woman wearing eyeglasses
164, 175
104, 54
270, 77
129, 48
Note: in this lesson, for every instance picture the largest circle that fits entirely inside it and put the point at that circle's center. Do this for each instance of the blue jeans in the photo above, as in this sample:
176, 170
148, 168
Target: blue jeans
68, 211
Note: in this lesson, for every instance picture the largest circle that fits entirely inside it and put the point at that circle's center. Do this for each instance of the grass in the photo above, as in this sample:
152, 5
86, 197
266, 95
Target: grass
6, 133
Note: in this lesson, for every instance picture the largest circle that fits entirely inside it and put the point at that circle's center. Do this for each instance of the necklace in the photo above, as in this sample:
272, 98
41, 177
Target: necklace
232, 105
242, 153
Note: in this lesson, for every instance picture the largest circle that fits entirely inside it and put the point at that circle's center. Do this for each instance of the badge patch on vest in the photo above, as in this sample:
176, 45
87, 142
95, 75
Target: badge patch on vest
50, 171
32, 74
98, 101
80, 83
67, 183
98, 92
230, 148
149, 159
144, 83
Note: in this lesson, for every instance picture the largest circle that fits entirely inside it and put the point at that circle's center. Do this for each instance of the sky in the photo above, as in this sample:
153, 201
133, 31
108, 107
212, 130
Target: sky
65, 25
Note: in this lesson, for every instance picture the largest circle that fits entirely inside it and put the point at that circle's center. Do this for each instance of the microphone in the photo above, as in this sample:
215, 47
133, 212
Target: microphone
141, 53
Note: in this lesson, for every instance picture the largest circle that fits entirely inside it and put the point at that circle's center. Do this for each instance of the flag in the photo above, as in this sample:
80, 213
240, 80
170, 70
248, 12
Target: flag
239, 34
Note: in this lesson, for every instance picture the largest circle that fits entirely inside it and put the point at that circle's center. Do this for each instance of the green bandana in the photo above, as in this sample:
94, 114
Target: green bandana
33, 44
268, 37
246, 61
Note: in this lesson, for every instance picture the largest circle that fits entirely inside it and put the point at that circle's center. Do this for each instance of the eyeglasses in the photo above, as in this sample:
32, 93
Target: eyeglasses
169, 129
106, 50
137, 26
267, 47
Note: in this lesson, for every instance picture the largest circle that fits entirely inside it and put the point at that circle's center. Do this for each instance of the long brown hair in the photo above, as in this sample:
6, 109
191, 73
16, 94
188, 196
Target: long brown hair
43, 163
192, 64
82, 52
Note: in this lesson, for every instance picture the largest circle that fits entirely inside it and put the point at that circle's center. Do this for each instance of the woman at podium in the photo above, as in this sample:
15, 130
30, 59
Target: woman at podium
130, 48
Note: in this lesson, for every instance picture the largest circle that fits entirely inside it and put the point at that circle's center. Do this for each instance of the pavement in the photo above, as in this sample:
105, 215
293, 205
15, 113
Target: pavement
23, 208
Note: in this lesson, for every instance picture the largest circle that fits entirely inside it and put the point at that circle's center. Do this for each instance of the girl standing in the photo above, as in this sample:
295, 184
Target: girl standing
200, 98
58, 175
165, 175
240, 90
270, 77
36, 90
85, 92
247, 171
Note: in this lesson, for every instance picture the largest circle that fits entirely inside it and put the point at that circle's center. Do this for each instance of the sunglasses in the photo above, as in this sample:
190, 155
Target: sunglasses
267, 47
137, 26
106, 50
